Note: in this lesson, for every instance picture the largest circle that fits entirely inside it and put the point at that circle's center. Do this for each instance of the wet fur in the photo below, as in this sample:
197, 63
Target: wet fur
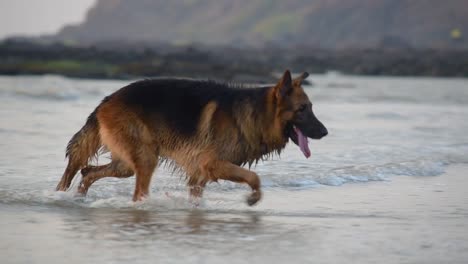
204, 128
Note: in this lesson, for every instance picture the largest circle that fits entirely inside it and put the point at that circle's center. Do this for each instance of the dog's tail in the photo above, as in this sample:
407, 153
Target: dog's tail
83, 146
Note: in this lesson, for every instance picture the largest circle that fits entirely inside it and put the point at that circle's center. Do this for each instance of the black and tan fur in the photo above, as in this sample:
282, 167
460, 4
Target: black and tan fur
206, 128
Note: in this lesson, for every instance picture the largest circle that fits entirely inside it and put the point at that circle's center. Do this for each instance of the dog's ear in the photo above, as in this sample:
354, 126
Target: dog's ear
284, 86
298, 80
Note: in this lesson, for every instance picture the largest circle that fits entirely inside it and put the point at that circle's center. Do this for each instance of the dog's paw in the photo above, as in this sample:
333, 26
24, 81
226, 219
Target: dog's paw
254, 197
195, 203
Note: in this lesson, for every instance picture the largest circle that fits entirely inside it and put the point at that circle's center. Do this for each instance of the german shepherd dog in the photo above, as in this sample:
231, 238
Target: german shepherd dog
206, 128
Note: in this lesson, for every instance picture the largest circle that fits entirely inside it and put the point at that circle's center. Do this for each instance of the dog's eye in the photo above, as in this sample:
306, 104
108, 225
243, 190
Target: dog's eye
302, 108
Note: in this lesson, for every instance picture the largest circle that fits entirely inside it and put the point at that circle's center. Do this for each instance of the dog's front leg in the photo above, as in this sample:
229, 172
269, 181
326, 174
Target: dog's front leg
196, 186
217, 169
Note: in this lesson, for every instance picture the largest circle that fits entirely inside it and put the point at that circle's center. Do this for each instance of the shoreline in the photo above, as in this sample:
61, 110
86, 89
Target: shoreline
19, 57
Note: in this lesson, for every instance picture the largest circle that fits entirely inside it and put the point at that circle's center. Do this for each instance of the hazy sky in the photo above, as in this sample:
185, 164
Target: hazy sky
35, 17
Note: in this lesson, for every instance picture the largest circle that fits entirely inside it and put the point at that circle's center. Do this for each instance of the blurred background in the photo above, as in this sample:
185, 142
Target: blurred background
236, 40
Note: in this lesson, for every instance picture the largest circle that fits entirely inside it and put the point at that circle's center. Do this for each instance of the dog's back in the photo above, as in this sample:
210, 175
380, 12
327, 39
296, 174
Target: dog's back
179, 103
185, 113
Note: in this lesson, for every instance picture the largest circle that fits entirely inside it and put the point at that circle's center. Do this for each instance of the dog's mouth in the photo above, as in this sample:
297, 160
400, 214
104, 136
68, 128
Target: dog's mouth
296, 135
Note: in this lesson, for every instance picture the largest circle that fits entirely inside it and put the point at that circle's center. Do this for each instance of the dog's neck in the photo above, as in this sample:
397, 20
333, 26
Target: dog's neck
263, 130
274, 135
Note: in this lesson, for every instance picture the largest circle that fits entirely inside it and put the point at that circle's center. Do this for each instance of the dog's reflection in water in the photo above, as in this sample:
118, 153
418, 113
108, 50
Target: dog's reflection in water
150, 225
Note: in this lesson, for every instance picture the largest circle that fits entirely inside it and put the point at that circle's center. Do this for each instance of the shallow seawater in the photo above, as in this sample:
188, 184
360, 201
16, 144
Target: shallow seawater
380, 129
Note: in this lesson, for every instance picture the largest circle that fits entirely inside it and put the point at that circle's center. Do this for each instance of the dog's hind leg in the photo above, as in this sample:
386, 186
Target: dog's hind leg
82, 146
136, 149
218, 169
91, 174
144, 164
140, 156
72, 168
128, 138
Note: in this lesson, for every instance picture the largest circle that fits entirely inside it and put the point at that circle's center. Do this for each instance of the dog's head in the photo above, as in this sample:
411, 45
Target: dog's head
294, 109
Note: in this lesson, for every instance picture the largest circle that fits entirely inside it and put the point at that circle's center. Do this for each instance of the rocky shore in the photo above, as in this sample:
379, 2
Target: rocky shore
250, 65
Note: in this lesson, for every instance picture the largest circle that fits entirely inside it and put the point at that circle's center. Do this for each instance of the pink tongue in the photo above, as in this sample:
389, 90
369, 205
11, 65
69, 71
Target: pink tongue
303, 142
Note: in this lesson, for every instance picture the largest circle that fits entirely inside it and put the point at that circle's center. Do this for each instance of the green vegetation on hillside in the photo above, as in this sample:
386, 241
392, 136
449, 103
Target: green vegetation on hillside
327, 24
